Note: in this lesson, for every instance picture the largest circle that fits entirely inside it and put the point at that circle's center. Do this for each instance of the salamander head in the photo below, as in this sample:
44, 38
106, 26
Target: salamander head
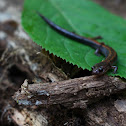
100, 68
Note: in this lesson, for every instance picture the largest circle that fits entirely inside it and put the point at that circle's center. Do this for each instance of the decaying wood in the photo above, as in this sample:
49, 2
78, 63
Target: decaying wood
19, 54
109, 112
72, 93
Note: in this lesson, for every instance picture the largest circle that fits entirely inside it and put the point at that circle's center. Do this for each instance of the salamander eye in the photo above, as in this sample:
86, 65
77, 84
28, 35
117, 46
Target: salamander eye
100, 69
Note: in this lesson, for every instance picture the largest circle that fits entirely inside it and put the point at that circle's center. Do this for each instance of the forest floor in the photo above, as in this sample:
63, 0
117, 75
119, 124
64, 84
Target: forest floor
21, 59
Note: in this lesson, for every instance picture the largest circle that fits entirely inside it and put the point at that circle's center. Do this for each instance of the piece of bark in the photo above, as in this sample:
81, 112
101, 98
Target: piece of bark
107, 112
24, 117
9, 26
72, 93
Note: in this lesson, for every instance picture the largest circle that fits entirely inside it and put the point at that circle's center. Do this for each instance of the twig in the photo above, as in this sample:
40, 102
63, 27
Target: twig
72, 93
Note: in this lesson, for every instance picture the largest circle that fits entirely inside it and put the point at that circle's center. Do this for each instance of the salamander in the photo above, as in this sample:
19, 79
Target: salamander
109, 53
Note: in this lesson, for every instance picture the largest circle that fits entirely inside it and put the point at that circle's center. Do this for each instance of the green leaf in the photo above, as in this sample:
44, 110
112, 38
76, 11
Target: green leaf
83, 17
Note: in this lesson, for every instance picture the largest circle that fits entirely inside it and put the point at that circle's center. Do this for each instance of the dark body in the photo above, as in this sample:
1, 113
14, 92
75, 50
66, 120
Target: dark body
108, 52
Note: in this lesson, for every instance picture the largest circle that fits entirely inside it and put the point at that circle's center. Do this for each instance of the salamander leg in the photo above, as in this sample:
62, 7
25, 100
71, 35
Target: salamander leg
115, 69
97, 52
97, 37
